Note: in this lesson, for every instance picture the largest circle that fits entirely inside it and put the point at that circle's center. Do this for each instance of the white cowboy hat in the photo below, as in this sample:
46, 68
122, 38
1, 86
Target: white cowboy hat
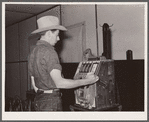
48, 23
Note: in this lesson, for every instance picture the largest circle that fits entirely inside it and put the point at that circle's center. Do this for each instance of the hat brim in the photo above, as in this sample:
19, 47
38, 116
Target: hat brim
58, 27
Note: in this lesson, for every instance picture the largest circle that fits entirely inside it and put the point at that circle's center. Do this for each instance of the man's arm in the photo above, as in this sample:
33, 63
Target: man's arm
69, 83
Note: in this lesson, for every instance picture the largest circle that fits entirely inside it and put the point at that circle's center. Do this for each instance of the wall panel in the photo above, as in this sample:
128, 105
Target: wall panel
23, 79
12, 44
127, 32
73, 44
12, 82
54, 12
73, 14
25, 29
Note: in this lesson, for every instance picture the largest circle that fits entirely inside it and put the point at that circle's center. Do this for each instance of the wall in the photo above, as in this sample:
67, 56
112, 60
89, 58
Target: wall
127, 30
54, 12
73, 14
12, 43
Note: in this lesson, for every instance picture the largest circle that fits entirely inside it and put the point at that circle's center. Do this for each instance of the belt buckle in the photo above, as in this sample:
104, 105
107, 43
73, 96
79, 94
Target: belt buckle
48, 91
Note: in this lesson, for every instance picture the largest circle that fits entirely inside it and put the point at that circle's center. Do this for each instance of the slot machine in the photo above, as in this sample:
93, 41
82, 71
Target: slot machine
102, 94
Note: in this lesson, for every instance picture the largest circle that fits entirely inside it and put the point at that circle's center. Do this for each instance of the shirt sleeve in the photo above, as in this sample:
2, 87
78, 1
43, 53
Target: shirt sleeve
52, 61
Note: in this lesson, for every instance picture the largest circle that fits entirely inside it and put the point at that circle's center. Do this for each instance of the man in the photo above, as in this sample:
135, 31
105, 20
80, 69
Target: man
45, 69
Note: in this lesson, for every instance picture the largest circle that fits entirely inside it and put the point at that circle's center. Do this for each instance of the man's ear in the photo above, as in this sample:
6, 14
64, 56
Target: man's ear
48, 33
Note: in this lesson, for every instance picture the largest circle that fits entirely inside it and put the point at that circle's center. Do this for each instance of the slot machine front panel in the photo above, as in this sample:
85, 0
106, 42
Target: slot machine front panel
102, 94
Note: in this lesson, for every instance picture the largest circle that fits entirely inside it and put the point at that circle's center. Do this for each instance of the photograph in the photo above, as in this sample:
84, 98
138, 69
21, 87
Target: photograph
74, 60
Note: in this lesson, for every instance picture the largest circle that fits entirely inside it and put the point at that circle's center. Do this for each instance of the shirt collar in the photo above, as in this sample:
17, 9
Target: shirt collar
39, 42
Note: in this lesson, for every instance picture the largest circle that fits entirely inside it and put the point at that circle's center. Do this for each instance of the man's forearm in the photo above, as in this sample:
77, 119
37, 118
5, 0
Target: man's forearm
69, 83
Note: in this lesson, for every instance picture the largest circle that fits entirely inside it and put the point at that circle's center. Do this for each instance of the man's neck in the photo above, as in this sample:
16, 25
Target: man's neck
42, 38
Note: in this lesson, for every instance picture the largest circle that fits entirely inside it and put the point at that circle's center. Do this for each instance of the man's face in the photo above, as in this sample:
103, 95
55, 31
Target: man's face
54, 37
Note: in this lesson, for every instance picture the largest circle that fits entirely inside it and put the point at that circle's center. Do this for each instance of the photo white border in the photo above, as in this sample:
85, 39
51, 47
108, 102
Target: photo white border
74, 115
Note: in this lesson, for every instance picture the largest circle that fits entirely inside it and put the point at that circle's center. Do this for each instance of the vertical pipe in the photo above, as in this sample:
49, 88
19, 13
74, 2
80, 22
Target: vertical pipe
19, 59
61, 14
96, 21
129, 55
106, 41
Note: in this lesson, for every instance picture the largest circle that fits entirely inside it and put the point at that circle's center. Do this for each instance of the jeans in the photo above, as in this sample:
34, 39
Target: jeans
48, 102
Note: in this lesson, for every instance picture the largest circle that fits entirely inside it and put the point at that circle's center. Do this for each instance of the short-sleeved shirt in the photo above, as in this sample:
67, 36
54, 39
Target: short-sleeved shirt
41, 61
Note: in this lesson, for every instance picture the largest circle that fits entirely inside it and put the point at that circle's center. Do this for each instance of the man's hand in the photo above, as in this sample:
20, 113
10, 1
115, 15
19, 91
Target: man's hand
91, 77
33, 84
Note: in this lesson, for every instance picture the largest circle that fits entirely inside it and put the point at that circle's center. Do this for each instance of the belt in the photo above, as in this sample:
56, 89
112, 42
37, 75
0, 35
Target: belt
40, 91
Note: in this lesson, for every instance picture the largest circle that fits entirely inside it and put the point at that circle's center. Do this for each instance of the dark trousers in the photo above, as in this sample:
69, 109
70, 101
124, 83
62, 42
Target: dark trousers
48, 102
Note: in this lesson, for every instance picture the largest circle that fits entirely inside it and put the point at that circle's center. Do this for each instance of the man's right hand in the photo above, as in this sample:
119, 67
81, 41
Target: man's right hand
92, 77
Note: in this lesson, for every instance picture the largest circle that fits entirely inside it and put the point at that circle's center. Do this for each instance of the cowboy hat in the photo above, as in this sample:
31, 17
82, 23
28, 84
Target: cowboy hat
48, 23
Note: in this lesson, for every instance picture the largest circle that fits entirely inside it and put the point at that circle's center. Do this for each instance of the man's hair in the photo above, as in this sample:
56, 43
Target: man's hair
43, 33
